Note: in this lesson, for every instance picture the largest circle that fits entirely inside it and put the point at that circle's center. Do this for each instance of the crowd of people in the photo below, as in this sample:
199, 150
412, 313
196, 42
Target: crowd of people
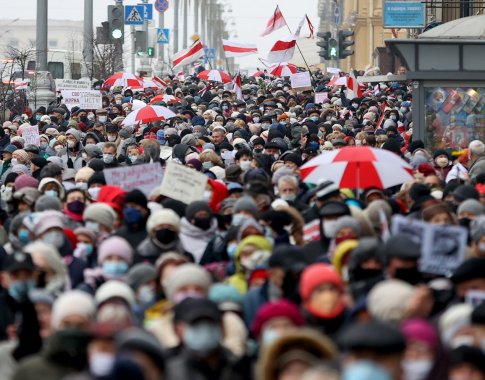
267, 276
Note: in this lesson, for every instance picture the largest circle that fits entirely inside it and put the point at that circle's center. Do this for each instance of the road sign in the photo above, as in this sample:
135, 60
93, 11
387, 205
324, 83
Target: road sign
148, 14
162, 36
210, 53
161, 5
134, 14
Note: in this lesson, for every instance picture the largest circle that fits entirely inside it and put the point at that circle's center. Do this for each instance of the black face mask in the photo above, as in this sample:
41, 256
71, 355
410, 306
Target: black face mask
84, 119
165, 236
203, 223
226, 219
410, 275
361, 274
465, 222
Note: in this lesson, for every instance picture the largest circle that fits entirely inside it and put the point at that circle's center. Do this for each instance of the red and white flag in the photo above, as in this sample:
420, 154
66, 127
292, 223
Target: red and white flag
189, 55
160, 82
276, 22
353, 88
237, 87
235, 49
310, 26
282, 50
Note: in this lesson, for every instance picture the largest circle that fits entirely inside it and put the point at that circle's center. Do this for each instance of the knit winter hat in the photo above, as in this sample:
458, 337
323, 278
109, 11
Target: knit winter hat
271, 310
74, 132
22, 154
477, 228
24, 180
140, 274
246, 204
388, 301
100, 213
163, 216
186, 274
317, 274
117, 246
48, 219
137, 197
84, 174
73, 302
195, 207
420, 330
46, 202
471, 206
348, 222
226, 296
114, 289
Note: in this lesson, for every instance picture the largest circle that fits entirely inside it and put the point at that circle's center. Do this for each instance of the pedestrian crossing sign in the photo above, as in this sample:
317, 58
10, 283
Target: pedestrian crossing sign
162, 35
134, 14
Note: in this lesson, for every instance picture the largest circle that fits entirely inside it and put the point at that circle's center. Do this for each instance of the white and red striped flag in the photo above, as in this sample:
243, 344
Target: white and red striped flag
189, 55
160, 82
236, 49
276, 22
353, 88
310, 26
282, 50
237, 87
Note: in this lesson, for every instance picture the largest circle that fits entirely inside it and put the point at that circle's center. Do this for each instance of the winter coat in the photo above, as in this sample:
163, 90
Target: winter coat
195, 239
148, 252
134, 237
252, 302
477, 167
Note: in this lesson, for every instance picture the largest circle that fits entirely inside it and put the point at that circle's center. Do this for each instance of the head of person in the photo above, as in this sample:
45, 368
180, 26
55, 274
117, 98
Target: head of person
18, 275
163, 227
187, 281
73, 309
142, 280
469, 276
115, 301
401, 256
288, 188
114, 257
99, 217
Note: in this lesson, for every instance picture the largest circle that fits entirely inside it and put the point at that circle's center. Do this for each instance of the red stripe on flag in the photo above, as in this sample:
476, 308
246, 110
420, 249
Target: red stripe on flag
193, 50
283, 45
236, 49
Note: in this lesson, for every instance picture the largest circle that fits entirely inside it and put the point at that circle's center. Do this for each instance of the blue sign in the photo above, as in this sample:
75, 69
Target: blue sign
148, 14
210, 53
134, 14
161, 5
404, 14
162, 36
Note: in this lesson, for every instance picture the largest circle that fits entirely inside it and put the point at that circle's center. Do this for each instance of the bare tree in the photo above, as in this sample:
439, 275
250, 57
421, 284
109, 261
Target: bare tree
20, 58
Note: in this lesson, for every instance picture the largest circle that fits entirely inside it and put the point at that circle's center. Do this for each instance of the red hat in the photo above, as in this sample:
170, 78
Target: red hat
315, 275
271, 310
426, 169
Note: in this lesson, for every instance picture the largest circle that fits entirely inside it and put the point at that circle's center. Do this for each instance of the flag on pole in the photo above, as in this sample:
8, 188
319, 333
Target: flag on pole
160, 82
235, 49
300, 26
237, 87
353, 88
276, 22
282, 50
206, 88
189, 55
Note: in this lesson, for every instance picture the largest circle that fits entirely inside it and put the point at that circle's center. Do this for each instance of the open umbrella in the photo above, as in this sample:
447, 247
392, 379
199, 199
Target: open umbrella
283, 69
261, 72
164, 98
215, 75
147, 114
358, 168
123, 80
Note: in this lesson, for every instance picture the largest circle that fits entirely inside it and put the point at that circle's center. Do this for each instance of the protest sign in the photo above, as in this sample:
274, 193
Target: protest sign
142, 177
333, 70
320, 97
442, 246
301, 81
182, 183
31, 135
72, 84
85, 99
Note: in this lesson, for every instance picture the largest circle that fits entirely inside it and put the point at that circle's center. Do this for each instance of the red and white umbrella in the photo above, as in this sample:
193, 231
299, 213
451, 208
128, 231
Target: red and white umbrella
283, 69
338, 81
165, 98
261, 72
215, 75
147, 114
124, 80
358, 168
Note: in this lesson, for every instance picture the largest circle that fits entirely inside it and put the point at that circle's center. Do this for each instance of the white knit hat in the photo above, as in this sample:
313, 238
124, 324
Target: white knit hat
388, 301
454, 319
73, 302
114, 289
100, 213
186, 274
164, 216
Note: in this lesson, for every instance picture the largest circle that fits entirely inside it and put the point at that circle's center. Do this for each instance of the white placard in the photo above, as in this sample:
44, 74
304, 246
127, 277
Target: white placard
301, 81
333, 70
31, 135
320, 97
143, 177
85, 99
182, 183
72, 84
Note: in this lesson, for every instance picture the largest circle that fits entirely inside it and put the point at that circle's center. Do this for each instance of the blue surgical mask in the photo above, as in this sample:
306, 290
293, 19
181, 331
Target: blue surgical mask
108, 158
24, 237
269, 336
146, 294
365, 370
38, 117
231, 250
52, 193
19, 290
115, 268
314, 118
202, 338
238, 219
207, 165
132, 215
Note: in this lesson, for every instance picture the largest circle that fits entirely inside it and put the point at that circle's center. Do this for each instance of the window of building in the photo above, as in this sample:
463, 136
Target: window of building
53, 43
56, 69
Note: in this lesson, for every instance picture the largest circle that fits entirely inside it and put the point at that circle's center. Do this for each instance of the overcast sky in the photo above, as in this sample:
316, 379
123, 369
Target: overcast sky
250, 17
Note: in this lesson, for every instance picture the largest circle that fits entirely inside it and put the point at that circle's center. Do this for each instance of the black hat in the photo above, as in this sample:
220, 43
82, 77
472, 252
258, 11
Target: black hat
470, 269
326, 190
464, 192
233, 172
469, 355
334, 208
97, 178
441, 152
272, 145
373, 336
478, 314
191, 310
138, 339
401, 246
38, 161
18, 260
195, 207
293, 157
111, 128
137, 197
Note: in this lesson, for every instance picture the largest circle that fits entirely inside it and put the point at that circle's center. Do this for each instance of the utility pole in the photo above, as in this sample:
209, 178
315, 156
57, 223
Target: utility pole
196, 17
175, 26
88, 38
203, 29
161, 24
133, 52
145, 66
41, 37
186, 21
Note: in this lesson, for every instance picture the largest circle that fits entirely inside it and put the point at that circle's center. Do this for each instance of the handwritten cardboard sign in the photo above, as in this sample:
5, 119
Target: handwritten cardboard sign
182, 183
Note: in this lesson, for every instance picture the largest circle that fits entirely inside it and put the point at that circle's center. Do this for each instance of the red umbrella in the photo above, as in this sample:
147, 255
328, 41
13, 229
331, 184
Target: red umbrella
147, 114
165, 98
358, 168
261, 72
123, 80
283, 69
215, 75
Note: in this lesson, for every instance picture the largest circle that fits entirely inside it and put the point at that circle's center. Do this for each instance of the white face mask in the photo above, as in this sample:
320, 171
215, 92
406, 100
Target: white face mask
416, 369
94, 192
245, 165
82, 185
70, 144
112, 138
101, 363
329, 228
6, 193
102, 119
14, 161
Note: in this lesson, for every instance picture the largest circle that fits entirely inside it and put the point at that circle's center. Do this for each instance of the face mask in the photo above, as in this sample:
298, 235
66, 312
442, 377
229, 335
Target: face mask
108, 158
264, 126
238, 219
14, 161
93, 226
231, 250
207, 165
203, 223
355, 105
442, 162
180, 296
82, 185
314, 118
43, 146
410, 275
393, 117
256, 119
481, 247
52, 193
202, 337
245, 165
165, 236
362, 369
258, 151
462, 340
329, 228
276, 156
101, 364
115, 268
112, 138
283, 123
24, 237
288, 197
102, 119
70, 144
76, 207
207, 195
416, 369
38, 117
55, 238
132, 215
19, 290
94, 192
86, 248
269, 336
146, 294
6, 193
83, 118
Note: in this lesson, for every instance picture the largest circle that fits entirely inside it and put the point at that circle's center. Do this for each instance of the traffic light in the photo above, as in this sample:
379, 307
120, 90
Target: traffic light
151, 52
116, 20
325, 36
332, 48
141, 42
345, 41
